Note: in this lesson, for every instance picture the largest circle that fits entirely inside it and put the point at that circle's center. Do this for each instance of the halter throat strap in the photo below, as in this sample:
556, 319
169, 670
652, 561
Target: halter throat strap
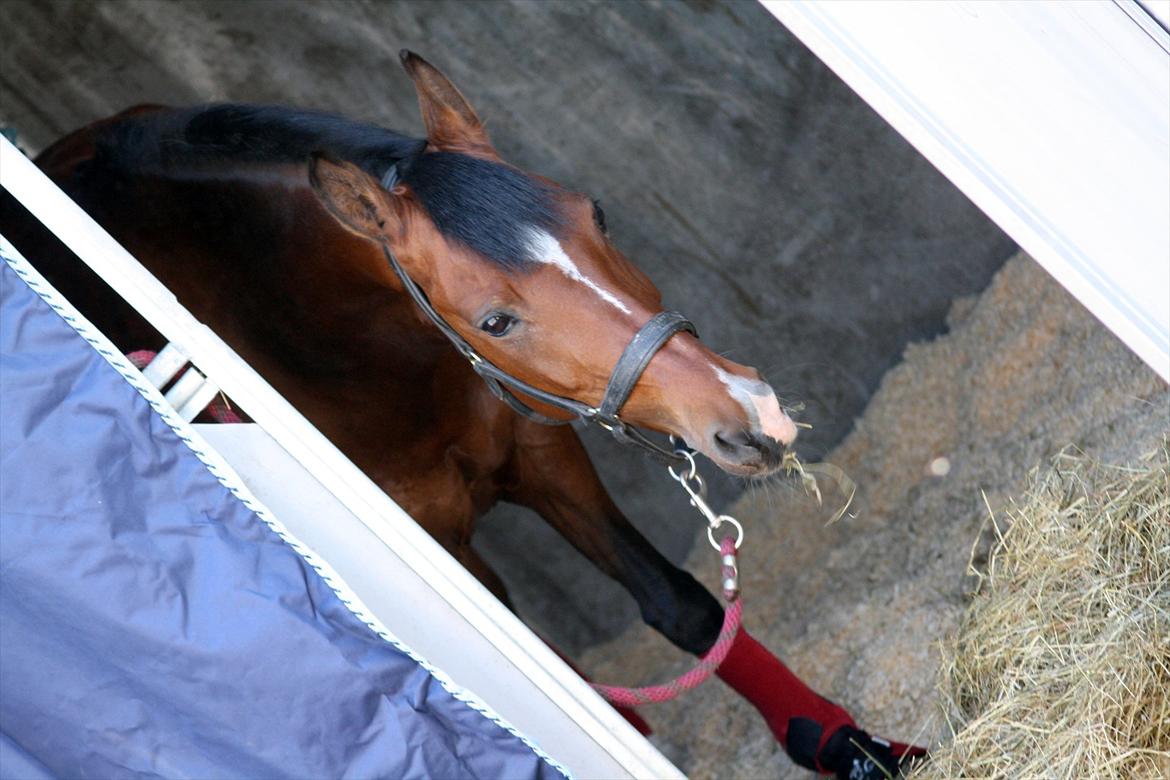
630, 366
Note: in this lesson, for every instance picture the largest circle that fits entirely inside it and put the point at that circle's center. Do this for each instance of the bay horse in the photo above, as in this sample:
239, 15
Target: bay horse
297, 235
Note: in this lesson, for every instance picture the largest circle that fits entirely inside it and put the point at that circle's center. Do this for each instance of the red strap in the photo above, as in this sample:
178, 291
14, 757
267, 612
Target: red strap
219, 409
708, 663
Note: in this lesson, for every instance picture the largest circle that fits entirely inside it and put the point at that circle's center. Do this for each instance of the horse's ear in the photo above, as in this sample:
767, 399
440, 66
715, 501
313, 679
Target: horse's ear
451, 122
352, 196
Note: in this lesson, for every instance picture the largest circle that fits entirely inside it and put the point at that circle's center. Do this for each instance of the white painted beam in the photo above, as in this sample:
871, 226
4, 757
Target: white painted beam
1053, 117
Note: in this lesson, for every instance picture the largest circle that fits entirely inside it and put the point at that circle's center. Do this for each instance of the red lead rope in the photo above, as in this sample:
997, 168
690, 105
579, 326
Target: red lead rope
709, 662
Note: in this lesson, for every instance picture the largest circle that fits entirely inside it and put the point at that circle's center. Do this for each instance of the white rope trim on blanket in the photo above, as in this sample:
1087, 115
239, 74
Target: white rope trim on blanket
227, 477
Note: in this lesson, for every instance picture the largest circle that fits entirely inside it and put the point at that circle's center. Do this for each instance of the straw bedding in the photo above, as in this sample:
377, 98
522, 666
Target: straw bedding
860, 607
1061, 666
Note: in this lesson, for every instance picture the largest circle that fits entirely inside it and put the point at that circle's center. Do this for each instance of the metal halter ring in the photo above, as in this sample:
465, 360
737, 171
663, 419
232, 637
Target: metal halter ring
696, 490
725, 519
692, 473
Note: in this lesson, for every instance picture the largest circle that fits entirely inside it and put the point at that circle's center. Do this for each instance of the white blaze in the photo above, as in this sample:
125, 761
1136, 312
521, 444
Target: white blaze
761, 406
544, 248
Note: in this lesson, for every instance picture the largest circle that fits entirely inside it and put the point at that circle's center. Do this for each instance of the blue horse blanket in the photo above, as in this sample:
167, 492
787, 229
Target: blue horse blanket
152, 625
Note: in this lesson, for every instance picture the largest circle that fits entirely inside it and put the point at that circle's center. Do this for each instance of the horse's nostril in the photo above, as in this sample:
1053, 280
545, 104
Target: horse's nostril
729, 441
737, 441
747, 446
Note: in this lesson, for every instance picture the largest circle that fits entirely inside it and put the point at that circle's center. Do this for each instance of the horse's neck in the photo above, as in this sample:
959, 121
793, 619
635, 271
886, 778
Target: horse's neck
259, 257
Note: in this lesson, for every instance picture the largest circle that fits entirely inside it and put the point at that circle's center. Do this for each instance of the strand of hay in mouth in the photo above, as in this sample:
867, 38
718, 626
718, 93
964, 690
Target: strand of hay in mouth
1061, 666
807, 473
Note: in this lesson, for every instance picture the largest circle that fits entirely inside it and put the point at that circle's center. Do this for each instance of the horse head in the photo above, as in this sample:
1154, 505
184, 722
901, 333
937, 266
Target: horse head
525, 272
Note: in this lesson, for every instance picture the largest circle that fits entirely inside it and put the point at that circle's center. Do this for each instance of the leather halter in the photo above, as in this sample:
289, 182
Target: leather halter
633, 361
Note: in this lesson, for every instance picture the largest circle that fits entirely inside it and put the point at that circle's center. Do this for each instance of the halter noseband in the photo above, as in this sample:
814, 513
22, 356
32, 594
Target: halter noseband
633, 361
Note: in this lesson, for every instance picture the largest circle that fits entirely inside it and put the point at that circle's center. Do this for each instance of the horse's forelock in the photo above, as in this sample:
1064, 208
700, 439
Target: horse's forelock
487, 206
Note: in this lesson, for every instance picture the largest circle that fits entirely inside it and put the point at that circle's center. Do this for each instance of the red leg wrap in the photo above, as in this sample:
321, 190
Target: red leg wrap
781, 697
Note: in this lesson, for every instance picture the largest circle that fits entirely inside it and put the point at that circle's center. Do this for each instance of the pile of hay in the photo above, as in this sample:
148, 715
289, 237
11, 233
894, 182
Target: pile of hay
1061, 665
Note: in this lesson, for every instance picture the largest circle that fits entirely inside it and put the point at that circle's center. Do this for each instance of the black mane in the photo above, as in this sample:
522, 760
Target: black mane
487, 206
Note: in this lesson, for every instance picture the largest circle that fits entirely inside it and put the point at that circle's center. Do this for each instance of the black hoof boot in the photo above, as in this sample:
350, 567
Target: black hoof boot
853, 754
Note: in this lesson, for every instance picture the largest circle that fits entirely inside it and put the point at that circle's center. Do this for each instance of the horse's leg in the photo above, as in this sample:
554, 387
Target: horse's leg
486, 575
552, 475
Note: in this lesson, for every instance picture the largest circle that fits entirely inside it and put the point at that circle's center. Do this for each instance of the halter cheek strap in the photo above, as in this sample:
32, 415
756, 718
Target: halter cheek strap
390, 178
650, 338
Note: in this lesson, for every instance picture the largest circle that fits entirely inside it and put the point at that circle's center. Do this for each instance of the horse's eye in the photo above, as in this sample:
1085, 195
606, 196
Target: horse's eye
498, 324
599, 217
